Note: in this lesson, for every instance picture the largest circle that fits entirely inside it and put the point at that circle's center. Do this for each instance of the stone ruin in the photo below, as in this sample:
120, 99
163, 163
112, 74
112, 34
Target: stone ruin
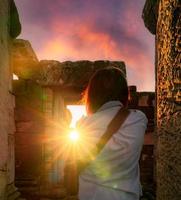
42, 92
161, 17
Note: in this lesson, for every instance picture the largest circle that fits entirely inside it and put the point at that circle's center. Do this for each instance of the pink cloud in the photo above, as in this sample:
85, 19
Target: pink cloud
92, 30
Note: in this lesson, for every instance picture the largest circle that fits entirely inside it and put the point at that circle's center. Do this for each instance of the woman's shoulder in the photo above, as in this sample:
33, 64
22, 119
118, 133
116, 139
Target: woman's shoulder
135, 117
97, 121
90, 120
137, 113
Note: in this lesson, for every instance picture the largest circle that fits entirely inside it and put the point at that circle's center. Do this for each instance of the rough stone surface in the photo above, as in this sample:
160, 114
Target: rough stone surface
72, 74
24, 59
150, 15
6, 102
8, 14
169, 100
29, 128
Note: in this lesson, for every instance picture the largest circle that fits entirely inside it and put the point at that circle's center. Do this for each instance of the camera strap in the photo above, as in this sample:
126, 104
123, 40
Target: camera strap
112, 128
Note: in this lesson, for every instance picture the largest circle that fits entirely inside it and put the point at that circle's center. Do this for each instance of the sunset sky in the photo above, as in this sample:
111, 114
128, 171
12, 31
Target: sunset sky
91, 30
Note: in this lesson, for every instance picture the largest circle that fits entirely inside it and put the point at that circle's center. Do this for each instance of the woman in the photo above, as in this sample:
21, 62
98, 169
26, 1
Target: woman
114, 173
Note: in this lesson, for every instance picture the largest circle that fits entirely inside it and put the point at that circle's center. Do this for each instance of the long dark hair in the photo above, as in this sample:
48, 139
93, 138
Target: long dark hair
107, 84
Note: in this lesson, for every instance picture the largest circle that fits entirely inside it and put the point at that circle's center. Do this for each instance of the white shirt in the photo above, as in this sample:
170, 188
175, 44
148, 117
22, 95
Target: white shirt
114, 174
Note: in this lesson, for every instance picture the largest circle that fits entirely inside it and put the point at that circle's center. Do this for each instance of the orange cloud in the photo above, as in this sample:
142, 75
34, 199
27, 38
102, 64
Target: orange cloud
89, 45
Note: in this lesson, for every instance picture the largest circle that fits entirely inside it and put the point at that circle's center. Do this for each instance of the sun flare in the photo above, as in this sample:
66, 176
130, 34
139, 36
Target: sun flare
74, 135
70, 142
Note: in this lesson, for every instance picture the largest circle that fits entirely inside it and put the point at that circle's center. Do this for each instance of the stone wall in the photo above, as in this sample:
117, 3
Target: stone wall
144, 101
29, 128
9, 28
166, 24
6, 104
168, 153
28, 136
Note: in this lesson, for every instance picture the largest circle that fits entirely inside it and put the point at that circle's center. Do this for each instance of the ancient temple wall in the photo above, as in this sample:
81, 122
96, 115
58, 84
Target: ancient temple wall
29, 129
168, 155
6, 104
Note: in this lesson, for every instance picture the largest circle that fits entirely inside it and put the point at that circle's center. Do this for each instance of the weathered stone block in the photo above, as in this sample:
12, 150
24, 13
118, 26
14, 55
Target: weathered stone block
150, 15
24, 59
168, 101
72, 74
5, 102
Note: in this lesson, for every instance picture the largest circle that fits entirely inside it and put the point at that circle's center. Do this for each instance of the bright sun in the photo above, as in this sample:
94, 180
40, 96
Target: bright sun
74, 135
72, 144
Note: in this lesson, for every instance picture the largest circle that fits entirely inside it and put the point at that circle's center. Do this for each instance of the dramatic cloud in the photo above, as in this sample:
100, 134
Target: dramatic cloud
93, 30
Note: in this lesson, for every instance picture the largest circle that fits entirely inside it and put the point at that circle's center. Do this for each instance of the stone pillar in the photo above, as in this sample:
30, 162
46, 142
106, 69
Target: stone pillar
168, 155
5, 96
54, 113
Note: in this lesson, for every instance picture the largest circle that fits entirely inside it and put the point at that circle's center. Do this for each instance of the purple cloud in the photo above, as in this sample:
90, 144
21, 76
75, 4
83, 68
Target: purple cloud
91, 29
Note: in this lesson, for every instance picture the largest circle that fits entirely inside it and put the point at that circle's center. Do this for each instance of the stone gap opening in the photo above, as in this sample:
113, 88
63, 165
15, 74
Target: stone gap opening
77, 111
